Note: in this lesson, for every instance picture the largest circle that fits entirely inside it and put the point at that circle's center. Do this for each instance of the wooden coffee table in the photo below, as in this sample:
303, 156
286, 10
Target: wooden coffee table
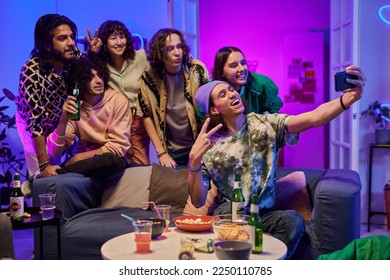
167, 247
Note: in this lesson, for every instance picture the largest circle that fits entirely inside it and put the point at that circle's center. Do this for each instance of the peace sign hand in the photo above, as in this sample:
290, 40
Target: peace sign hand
94, 41
202, 143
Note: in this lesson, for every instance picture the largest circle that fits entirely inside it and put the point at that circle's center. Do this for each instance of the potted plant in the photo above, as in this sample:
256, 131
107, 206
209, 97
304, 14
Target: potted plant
9, 162
380, 114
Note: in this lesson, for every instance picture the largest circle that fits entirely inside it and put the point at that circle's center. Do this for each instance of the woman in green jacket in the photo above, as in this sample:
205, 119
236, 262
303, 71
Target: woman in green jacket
258, 92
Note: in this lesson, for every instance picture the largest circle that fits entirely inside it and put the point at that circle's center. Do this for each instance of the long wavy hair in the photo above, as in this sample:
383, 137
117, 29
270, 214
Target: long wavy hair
43, 35
106, 29
81, 73
157, 50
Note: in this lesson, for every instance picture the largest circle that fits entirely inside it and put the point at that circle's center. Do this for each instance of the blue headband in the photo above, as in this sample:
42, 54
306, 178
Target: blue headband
203, 94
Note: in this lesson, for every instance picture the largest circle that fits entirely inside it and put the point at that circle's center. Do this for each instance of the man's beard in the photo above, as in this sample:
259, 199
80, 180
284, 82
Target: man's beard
60, 57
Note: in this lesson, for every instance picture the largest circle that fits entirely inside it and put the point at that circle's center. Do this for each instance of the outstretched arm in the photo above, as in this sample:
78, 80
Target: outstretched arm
329, 110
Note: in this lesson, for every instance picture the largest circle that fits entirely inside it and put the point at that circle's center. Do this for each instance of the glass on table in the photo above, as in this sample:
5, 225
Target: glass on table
143, 236
165, 212
47, 202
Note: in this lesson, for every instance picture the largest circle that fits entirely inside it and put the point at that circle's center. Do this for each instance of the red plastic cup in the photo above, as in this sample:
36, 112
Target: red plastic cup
143, 236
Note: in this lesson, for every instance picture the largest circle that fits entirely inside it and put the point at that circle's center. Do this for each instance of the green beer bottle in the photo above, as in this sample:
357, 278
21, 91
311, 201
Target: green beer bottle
238, 205
255, 226
76, 117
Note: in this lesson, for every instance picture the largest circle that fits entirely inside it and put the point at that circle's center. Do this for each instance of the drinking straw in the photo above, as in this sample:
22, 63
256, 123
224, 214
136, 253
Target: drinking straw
155, 207
131, 219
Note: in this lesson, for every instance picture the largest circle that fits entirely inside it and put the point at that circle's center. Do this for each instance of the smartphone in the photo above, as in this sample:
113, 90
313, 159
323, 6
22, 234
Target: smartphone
340, 81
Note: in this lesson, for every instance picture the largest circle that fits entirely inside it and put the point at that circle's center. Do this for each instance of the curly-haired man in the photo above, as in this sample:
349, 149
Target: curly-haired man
105, 116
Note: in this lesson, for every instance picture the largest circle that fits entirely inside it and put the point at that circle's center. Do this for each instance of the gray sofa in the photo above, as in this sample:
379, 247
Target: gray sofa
91, 207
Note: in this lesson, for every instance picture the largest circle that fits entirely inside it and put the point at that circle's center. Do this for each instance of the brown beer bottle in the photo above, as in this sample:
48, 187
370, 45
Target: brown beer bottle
16, 205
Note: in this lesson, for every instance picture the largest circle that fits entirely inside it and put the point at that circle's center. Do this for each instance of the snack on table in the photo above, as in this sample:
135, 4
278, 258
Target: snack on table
193, 221
232, 230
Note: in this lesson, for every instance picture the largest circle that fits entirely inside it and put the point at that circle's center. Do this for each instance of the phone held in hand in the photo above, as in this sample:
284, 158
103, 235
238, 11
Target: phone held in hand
341, 82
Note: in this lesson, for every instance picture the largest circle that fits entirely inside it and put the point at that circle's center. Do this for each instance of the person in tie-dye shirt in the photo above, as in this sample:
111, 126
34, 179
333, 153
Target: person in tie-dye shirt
231, 141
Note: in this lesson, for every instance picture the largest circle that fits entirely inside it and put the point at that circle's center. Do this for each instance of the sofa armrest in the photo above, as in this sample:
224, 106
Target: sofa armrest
336, 209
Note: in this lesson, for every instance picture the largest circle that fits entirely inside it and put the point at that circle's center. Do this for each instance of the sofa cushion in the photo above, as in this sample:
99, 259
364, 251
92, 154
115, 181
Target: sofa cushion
168, 186
129, 188
291, 193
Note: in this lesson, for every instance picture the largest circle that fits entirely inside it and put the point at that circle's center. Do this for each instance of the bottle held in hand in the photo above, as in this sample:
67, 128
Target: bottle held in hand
76, 116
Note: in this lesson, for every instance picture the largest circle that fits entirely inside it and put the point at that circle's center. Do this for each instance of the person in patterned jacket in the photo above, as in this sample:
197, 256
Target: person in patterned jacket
167, 97
42, 89
232, 141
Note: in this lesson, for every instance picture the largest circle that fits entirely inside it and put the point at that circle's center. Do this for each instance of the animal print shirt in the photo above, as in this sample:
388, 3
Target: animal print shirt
153, 97
253, 152
40, 98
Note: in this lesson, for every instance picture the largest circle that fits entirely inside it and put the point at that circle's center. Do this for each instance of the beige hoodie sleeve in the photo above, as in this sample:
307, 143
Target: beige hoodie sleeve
57, 144
118, 133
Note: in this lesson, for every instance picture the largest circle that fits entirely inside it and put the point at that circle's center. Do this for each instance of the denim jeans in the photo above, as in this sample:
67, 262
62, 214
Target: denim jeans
75, 192
288, 225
